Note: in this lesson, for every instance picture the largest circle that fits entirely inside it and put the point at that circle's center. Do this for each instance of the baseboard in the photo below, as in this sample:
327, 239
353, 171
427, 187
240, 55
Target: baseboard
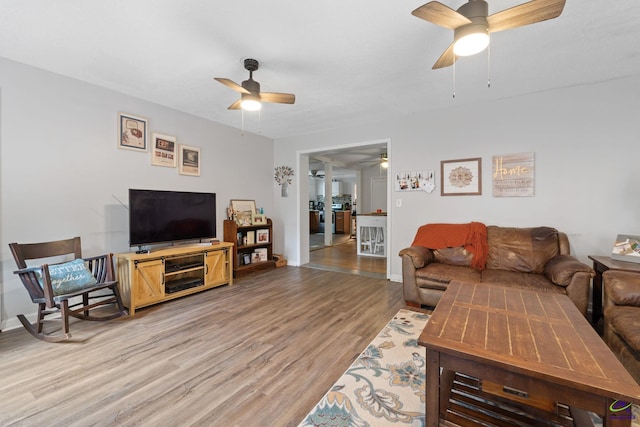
14, 323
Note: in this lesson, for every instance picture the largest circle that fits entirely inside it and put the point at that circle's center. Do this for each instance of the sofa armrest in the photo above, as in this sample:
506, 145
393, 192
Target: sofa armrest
561, 269
420, 256
621, 288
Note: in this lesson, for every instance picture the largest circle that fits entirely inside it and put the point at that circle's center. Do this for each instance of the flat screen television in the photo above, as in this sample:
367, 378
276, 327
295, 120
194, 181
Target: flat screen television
157, 216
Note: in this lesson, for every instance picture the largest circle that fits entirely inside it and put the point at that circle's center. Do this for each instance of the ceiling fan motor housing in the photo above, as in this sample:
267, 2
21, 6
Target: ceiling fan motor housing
476, 11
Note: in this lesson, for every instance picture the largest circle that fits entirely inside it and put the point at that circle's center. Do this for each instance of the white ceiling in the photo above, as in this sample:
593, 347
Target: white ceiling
348, 62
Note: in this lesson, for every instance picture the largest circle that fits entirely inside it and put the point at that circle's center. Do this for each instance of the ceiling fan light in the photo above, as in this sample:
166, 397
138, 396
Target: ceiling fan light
250, 102
384, 164
470, 39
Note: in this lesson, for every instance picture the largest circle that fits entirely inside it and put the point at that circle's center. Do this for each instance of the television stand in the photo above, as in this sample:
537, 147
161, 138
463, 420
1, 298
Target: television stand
153, 277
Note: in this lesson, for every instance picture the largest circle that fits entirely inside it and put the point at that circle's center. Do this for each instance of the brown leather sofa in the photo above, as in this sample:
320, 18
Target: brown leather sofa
535, 258
622, 317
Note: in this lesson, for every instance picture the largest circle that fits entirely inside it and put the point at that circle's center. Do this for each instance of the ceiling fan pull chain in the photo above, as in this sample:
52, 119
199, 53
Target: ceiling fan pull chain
489, 63
454, 79
260, 122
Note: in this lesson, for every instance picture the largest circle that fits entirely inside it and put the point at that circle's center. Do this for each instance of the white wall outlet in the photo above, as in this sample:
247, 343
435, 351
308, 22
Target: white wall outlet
398, 203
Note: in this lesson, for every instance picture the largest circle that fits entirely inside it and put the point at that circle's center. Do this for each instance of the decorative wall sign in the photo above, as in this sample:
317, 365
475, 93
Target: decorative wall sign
461, 177
415, 181
132, 132
163, 151
513, 175
189, 161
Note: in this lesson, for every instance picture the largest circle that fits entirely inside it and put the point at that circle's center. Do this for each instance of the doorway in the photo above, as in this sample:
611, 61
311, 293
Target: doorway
351, 167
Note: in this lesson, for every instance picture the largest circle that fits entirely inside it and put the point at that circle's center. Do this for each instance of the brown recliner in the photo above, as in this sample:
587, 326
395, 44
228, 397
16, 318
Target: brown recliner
536, 258
622, 317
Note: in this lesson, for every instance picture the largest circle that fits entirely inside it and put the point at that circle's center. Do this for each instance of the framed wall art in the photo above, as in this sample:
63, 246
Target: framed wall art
163, 150
189, 161
461, 177
513, 175
132, 132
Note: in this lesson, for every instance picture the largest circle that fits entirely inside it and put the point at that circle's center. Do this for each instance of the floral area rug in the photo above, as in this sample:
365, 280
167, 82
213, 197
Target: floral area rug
386, 383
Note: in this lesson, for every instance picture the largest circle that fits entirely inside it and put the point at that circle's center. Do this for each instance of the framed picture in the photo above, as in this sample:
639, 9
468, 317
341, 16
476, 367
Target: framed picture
244, 211
262, 235
258, 219
626, 248
189, 161
461, 177
246, 259
255, 257
251, 237
163, 150
132, 132
513, 175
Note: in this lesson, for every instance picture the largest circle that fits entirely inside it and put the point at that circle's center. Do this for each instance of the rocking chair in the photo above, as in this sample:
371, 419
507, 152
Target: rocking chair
52, 286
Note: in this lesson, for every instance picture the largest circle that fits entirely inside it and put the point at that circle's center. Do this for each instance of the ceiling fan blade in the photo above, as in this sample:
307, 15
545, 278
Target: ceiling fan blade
281, 98
446, 59
525, 14
440, 14
233, 85
235, 105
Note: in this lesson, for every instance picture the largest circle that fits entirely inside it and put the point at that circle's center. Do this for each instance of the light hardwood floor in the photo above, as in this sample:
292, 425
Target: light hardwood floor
259, 353
344, 258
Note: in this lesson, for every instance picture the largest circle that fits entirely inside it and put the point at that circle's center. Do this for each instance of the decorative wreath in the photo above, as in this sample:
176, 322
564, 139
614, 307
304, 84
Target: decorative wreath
283, 174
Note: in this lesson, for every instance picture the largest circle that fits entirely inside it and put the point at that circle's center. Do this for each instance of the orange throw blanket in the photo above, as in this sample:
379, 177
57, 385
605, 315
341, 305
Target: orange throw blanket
473, 236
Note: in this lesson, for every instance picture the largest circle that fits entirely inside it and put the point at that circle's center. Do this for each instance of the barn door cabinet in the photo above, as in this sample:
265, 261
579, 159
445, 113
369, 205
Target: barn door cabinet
165, 274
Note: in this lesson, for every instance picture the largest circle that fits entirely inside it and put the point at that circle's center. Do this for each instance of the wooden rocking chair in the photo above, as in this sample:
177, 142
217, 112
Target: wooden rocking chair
52, 286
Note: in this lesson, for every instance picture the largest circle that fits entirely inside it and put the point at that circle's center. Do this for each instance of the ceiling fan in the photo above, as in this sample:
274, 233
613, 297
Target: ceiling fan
472, 24
383, 160
250, 96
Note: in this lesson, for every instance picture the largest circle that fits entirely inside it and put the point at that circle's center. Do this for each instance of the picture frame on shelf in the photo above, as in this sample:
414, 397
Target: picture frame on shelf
243, 219
255, 257
163, 151
262, 254
189, 160
262, 235
251, 237
462, 177
132, 132
258, 219
246, 259
244, 211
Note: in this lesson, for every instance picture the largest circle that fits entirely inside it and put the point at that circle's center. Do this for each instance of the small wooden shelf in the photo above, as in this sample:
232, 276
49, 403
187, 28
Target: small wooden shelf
233, 233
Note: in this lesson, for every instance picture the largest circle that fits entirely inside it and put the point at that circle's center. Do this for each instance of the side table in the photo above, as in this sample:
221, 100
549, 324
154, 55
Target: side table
600, 265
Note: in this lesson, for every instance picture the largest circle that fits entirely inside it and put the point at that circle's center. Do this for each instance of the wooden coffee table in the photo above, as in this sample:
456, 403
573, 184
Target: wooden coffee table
525, 346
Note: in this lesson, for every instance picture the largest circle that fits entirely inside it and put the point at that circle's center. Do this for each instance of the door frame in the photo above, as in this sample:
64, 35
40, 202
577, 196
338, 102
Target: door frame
302, 162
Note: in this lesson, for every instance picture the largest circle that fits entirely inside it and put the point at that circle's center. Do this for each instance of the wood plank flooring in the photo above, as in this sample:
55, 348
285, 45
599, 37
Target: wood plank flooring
344, 258
261, 352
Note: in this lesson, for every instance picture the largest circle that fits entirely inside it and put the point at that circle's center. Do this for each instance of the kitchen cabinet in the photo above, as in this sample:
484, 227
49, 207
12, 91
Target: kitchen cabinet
336, 188
314, 222
343, 222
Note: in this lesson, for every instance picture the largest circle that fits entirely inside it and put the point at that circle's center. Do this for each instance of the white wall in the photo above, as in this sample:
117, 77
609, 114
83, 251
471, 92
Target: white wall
61, 174
586, 146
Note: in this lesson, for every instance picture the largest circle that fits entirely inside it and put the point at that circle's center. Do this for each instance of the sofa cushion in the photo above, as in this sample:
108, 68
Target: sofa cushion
453, 256
526, 250
534, 282
623, 287
625, 321
438, 276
